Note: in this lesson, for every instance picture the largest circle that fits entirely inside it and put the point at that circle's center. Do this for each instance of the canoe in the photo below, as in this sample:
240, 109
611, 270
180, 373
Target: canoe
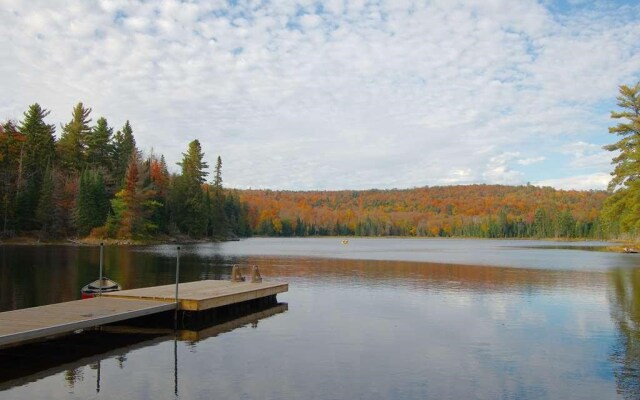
94, 288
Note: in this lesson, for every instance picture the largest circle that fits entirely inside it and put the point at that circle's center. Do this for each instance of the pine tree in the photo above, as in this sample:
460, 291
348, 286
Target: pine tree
187, 197
37, 153
217, 182
622, 209
207, 209
45, 210
236, 215
193, 166
177, 205
92, 205
124, 145
218, 220
72, 143
99, 146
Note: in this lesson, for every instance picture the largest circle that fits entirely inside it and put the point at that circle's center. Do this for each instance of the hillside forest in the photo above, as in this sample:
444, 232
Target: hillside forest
93, 182
486, 211
489, 211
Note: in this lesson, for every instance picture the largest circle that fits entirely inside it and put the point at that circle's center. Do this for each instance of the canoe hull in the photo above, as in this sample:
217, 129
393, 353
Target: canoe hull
104, 285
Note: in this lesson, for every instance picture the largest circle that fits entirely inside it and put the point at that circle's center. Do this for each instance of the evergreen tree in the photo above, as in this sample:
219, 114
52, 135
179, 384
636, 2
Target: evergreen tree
37, 153
163, 167
187, 197
217, 181
236, 215
207, 207
218, 220
92, 205
44, 211
99, 146
124, 145
72, 143
177, 204
622, 209
193, 164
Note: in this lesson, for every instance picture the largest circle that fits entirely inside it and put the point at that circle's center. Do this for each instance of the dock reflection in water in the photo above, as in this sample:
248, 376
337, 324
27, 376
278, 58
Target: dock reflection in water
82, 354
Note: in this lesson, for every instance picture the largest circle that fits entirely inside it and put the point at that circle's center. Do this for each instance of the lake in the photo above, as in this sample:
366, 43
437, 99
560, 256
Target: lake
372, 319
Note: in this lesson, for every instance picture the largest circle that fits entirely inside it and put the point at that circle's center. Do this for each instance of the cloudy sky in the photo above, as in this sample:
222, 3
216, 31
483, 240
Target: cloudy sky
338, 94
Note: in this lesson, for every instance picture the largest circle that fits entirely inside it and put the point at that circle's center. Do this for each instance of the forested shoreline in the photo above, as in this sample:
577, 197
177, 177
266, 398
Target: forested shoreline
92, 182
483, 211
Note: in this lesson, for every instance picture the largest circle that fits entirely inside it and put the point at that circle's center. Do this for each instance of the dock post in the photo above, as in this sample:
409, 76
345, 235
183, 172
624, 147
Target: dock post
236, 275
255, 275
175, 317
101, 255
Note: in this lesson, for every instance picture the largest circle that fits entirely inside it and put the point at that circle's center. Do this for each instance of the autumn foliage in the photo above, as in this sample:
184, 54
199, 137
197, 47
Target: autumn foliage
93, 182
474, 211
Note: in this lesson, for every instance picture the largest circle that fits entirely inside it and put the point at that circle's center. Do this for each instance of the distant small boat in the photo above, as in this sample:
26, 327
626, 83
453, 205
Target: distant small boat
345, 241
104, 285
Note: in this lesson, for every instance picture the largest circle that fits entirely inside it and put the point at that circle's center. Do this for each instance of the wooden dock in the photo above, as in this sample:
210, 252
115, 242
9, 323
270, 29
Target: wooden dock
203, 295
40, 322
45, 359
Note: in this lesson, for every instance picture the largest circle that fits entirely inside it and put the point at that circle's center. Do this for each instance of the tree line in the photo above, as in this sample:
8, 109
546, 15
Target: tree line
489, 211
486, 211
92, 181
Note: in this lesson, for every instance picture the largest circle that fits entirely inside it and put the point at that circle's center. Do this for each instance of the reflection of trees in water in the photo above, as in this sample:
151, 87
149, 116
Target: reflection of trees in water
28, 274
624, 300
483, 278
73, 376
215, 267
140, 269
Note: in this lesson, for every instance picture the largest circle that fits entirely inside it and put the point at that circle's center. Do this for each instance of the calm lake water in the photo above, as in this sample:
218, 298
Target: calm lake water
374, 319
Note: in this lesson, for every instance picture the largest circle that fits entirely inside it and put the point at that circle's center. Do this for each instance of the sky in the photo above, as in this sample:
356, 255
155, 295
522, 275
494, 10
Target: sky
322, 95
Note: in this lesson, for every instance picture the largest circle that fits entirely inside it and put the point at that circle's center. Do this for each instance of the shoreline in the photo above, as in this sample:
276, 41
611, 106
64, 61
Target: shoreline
34, 241
620, 246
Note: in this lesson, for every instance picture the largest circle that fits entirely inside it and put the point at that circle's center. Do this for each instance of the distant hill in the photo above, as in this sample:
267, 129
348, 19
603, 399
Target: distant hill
491, 211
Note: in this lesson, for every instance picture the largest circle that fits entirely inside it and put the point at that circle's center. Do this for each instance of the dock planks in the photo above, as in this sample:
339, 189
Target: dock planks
203, 295
53, 319
40, 322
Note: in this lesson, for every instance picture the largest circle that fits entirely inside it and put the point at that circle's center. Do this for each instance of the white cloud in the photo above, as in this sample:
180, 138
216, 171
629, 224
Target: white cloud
531, 160
360, 95
597, 181
498, 170
587, 155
